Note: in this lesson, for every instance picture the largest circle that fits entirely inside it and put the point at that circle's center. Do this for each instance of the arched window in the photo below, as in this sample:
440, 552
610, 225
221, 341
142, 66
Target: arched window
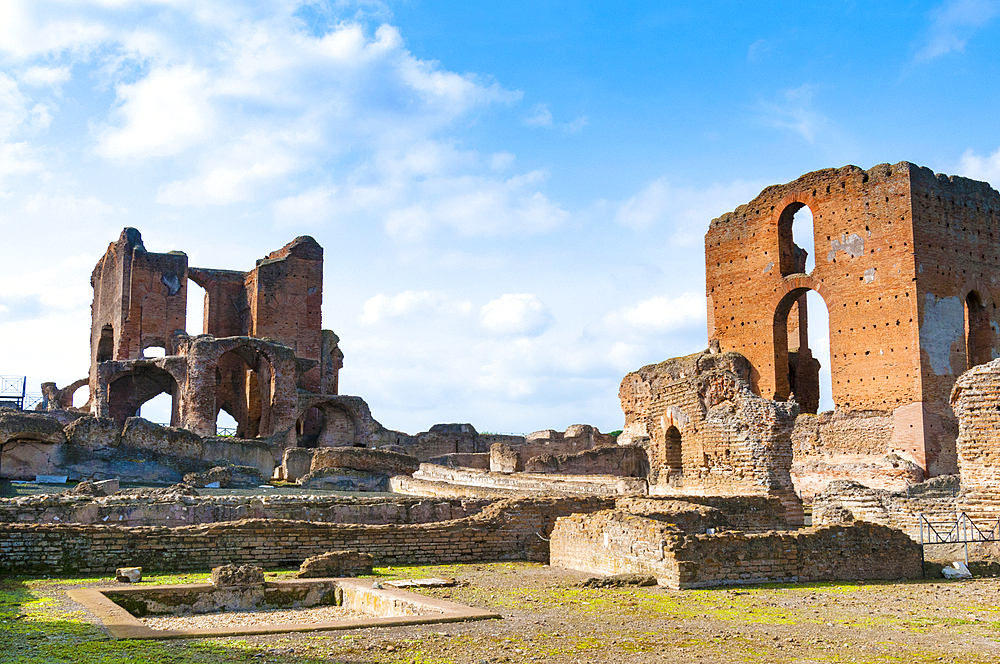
106, 344
801, 336
977, 331
673, 459
796, 245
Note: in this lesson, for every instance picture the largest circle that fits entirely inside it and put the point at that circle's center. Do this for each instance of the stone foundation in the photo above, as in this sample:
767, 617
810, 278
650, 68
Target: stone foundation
509, 530
615, 542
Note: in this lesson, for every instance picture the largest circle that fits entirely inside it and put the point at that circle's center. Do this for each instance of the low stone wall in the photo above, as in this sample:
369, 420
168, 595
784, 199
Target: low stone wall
509, 530
96, 449
478, 461
848, 445
747, 513
599, 485
939, 500
358, 458
615, 542
624, 460
175, 510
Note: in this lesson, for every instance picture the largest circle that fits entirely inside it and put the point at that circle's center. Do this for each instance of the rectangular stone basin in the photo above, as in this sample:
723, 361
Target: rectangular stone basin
121, 609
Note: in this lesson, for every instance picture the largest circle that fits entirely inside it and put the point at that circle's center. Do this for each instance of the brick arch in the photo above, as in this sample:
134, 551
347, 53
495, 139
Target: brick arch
792, 291
204, 354
977, 332
781, 224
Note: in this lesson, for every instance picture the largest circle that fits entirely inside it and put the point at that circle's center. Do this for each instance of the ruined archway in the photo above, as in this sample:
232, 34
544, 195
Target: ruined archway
327, 425
129, 391
796, 369
245, 389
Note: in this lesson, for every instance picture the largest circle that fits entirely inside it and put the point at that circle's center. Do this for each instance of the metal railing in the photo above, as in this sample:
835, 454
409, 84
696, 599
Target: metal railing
12, 391
961, 530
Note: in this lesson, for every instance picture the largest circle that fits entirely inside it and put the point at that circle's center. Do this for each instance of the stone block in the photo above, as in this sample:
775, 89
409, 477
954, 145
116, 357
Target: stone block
336, 564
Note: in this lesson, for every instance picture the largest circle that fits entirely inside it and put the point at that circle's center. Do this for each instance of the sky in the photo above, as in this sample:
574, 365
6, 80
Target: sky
512, 197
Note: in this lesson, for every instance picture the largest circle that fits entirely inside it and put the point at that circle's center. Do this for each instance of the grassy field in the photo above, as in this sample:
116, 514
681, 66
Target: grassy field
547, 617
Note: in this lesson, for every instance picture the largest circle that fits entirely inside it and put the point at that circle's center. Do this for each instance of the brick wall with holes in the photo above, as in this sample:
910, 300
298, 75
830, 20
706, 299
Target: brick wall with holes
898, 250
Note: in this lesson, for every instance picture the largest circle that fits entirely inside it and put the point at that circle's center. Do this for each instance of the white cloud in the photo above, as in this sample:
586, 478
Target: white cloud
953, 23
981, 168
475, 206
663, 313
540, 116
686, 209
161, 114
45, 76
518, 314
758, 50
313, 207
13, 107
410, 304
794, 112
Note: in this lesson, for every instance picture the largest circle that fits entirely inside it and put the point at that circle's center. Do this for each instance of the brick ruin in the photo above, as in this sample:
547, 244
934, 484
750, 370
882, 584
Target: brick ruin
699, 489
261, 343
905, 261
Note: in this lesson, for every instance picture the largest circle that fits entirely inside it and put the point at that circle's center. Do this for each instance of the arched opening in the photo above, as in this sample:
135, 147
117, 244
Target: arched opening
197, 304
977, 331
672, 451
158, 409
106, 344
225, 423
81, 397
245, 389
131, 392
796, 242
799, 375
326, 425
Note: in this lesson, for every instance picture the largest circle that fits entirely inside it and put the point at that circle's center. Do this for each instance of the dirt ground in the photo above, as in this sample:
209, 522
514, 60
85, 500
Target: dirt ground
547, 617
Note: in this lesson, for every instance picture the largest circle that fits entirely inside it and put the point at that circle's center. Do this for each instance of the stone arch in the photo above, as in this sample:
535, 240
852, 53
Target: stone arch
263, 401
795, 372
672, 451
106, 344
129, 389
327, 424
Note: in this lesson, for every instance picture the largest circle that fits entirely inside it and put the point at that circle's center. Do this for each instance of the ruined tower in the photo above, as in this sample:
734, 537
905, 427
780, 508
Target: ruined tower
906, 262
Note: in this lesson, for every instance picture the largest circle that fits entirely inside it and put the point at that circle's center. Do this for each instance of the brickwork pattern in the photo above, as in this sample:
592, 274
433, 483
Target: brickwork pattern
508, 530
898, 250
614, 542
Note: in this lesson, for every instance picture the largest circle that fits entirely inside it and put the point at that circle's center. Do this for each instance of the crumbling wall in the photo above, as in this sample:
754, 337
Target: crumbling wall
707, 432
135, 451
976, 400
855, 445
614, 542
624, 460
509, 530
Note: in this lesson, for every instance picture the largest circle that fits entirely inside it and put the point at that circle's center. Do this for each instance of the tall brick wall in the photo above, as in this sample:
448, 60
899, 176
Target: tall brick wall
613, 542
898, 250
509, 530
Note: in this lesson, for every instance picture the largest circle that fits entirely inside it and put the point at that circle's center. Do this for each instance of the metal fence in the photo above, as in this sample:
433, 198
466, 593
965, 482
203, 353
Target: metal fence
960, 530
12, 391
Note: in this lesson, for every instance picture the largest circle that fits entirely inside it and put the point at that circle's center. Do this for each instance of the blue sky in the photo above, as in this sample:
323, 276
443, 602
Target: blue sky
512, 196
